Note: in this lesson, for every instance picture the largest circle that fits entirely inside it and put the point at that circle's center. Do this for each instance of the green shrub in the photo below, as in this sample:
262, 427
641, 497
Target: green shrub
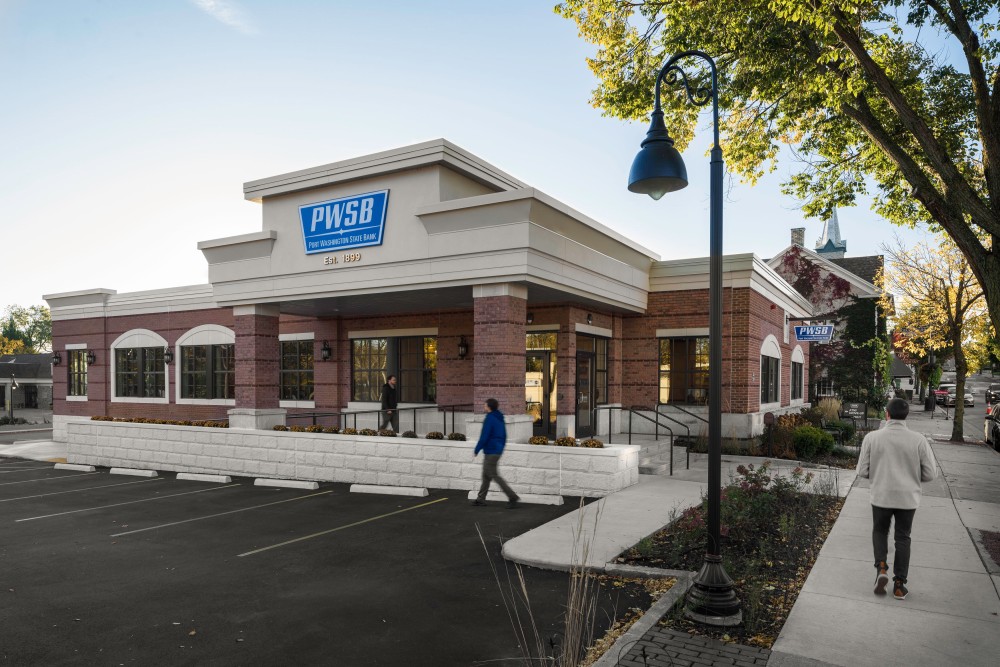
435, 435
593, 443
409, 434
456, 436
846, 429
538, 440
810, 441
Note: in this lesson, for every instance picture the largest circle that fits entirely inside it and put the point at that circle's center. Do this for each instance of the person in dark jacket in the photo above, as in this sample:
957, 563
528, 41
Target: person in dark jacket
491, 442
390, 415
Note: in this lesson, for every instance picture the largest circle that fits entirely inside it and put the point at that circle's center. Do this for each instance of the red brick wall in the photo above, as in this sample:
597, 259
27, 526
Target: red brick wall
499, 359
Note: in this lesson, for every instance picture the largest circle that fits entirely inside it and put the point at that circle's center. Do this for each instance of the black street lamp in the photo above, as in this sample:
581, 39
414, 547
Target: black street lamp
657, 170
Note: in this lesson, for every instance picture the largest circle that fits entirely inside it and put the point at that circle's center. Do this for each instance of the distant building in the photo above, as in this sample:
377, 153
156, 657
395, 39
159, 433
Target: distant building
902, 377
830, 244
33, 375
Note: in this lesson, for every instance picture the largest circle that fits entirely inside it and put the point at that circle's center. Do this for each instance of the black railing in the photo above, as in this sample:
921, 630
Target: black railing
640, 412
341, 419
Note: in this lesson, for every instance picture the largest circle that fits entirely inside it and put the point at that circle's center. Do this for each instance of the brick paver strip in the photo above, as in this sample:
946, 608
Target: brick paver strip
681, 648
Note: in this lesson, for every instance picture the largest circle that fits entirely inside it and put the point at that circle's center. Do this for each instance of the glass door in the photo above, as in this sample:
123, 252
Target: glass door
539, 376
584, 393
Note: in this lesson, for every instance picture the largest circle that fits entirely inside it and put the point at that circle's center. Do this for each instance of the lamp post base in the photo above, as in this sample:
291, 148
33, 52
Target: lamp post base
711, 599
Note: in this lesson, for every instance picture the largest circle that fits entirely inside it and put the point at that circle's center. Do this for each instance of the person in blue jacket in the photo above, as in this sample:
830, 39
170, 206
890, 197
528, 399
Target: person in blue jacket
491, 442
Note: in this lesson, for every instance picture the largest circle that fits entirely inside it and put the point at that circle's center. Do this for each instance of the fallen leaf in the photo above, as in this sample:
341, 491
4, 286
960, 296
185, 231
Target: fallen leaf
192, 633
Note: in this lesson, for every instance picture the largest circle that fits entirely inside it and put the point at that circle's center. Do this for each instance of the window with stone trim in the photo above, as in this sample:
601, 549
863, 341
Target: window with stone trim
140, 372
208, 371
770, 369
797, 378
412, 359
297, 370
76, 373
683, 370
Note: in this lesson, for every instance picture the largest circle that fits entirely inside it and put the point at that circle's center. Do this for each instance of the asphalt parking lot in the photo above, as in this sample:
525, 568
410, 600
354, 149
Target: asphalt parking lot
107, 569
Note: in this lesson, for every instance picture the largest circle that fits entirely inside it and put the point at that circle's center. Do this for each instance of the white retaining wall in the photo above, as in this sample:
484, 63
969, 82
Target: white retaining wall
441, 464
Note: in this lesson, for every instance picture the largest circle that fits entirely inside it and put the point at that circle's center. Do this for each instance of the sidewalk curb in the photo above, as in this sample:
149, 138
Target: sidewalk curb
652, 616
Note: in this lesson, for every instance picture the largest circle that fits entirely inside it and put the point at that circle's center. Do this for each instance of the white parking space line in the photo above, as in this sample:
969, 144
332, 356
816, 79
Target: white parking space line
334, 530
131, 502
89, 488
212, 516
7, 472
49, 479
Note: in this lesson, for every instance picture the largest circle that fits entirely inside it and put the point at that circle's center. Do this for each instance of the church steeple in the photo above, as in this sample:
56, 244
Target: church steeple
830, 244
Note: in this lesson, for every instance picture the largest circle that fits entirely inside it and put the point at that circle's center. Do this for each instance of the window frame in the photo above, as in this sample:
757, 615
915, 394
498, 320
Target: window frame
76, 380
770, 379
138, 339
699, 360
304, 348
393, 353
145, 368
796, 380
213, 353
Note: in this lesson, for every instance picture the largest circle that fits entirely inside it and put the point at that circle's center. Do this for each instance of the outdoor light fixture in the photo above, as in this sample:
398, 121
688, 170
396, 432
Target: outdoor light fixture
590, 318
325, 352
168, 355
531, 318
91, 358
657, 170
56, 358
463, 346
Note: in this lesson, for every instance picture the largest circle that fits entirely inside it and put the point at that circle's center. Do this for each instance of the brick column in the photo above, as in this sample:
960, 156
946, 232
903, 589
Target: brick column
257, 368
499, 330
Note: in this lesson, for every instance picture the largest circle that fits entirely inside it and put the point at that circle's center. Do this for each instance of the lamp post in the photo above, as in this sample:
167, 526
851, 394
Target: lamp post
657, 170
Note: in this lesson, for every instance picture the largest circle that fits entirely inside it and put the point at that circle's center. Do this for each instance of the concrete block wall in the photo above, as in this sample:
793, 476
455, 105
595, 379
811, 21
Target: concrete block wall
439, 464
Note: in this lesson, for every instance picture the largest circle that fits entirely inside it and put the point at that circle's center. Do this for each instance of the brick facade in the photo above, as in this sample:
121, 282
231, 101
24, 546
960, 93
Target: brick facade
258, 361
499, 358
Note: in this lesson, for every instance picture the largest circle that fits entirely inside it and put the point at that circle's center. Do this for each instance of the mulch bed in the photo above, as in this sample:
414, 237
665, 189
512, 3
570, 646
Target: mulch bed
991, 541
768, 559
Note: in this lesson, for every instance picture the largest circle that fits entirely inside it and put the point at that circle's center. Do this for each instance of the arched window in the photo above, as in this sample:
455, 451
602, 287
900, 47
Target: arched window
206, 366
138, 368
797, 374
770, 371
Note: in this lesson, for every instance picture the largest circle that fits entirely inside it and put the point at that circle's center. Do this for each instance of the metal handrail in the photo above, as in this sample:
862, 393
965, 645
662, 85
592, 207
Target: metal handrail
636, 411
353, 414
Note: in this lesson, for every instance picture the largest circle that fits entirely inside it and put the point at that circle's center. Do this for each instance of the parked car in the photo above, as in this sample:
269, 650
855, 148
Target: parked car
952, 399
992, 431
942, 391
993, 393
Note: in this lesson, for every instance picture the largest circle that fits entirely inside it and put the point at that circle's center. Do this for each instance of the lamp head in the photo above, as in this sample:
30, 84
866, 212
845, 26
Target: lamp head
659, 167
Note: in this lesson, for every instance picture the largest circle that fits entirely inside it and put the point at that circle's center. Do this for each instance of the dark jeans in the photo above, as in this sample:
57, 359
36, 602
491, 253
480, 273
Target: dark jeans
390, 417
489, 474
881, 517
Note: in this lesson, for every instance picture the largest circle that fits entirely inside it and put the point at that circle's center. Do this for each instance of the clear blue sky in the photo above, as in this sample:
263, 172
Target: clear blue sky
128, 128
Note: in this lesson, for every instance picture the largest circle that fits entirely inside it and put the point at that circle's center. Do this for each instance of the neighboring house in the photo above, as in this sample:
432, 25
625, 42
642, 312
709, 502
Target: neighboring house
902, 377
840, 288
33, 375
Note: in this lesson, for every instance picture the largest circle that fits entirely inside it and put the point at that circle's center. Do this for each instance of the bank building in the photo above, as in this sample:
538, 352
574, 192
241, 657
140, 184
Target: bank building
427, 263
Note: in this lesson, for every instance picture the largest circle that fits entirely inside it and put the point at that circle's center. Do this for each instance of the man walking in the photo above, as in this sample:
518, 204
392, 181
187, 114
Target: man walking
491, 441
896, 460
389, 413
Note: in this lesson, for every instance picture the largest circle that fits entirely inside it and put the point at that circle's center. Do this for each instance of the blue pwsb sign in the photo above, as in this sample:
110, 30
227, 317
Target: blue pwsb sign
349, 222
817, 333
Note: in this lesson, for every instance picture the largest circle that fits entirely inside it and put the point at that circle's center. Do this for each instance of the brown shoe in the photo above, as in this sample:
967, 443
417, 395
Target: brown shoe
899, 590
882, 578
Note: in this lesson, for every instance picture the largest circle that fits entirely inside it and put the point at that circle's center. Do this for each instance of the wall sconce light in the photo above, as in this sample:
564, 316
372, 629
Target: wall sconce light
531, 318
91, 358
590, 318
463, 346
168, 355
56, 358
325, 352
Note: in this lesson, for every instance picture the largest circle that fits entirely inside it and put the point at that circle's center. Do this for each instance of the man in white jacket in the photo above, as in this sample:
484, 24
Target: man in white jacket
896, 460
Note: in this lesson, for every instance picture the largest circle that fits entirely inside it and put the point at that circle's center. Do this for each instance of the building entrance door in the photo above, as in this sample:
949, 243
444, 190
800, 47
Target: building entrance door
539, 390
584, 394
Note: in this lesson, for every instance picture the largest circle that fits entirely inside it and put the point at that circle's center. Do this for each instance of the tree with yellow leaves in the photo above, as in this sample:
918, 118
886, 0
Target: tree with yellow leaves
940, 305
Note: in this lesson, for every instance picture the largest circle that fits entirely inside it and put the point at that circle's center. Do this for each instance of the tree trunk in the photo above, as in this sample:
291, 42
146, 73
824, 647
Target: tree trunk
961, 368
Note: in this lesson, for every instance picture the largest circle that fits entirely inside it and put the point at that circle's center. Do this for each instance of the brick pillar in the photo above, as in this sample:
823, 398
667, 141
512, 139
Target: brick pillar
499, 330
566, 370
257, 368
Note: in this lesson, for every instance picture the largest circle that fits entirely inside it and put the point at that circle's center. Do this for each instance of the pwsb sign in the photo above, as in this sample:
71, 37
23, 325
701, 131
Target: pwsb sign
338, 224
817, 333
